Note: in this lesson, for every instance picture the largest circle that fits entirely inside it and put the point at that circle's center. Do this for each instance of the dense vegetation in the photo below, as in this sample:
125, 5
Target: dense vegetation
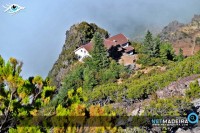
100, 70
141, 85
95, 71
194, 90
25, 106
175, 106
153, 51
90, 87
19, 97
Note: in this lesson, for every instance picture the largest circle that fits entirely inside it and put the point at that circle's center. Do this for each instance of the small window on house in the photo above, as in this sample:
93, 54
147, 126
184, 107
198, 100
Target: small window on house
84, 51
81, 50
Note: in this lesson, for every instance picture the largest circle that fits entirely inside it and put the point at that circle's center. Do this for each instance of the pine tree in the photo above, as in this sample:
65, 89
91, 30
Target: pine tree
166, 52
156, 47
99, 53
151, 45
89, 78
148, 43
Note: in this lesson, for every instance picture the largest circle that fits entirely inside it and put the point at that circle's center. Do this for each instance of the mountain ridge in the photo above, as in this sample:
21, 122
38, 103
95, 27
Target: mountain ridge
183, 36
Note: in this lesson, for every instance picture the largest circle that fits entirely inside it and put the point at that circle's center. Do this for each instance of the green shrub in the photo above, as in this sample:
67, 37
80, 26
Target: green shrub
175, 106
142, 85
194, 90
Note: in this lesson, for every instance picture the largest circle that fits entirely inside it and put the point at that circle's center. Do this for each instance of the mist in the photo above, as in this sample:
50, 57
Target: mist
36, 35
135, 17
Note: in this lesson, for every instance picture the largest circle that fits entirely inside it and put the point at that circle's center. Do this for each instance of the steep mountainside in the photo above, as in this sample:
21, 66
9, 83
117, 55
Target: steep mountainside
78, 34
184, 36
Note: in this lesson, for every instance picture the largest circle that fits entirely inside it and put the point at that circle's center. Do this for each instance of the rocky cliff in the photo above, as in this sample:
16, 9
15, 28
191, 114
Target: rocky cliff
77, 35
184, 36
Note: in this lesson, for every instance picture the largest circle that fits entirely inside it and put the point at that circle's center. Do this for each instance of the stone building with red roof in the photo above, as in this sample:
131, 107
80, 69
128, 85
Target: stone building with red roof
118, 41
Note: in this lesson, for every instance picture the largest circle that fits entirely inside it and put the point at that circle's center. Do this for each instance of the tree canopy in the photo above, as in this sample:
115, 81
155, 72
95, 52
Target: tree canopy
153, 51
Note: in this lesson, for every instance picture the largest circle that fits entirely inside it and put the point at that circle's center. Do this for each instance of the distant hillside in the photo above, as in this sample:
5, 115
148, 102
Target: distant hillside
78, 34
184, 36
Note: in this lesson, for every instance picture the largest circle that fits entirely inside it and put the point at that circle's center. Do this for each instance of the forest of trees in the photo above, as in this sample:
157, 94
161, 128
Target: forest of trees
153, 51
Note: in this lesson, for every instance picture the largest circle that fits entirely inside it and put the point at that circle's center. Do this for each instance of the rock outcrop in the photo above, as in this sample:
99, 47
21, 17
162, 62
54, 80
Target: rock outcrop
194, 130
177, 88
78, 34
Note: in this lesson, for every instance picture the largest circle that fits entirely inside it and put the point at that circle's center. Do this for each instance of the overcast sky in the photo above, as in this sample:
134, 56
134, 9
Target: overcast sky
36, 35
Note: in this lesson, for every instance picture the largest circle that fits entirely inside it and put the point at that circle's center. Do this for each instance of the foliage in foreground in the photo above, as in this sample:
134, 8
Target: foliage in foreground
25, 106
74, 116
19, 97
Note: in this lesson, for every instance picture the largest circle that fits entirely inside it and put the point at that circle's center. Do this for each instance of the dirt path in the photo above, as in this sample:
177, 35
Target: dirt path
194, 42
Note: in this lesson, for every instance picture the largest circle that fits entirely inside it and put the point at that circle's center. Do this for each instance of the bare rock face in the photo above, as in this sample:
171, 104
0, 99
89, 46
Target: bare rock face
194, 130
196, 21
78, 34
177, 88
196, 104
167, 32
137, 111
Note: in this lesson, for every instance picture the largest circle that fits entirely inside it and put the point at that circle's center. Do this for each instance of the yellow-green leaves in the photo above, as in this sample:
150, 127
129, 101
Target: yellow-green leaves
38, 81
61, 111
25, 130
13, 61
46, 94
19, 97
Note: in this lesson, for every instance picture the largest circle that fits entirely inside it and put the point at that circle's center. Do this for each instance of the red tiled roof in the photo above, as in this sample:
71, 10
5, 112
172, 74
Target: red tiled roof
119, 39
107, 43
129, 48
88, 46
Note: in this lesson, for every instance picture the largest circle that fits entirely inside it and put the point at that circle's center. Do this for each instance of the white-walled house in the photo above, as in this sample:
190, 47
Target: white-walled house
120, 41
82, 52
